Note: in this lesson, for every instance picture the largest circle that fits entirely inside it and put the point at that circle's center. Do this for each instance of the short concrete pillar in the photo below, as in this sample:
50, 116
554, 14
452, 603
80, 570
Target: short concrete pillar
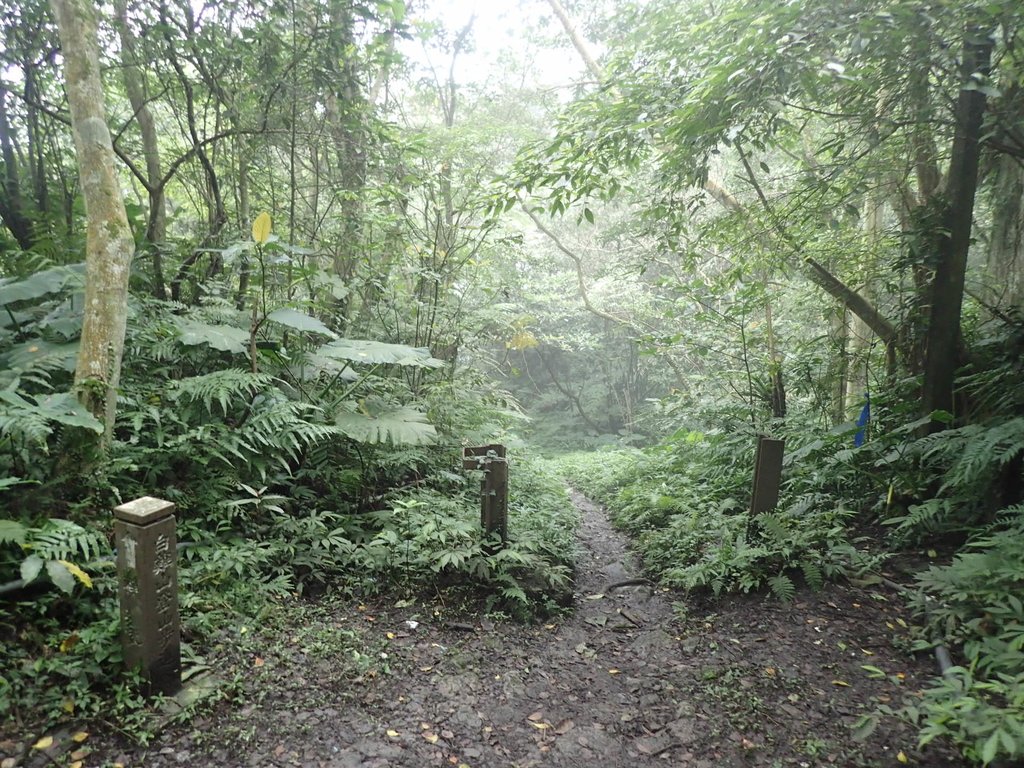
147, 569
767, 474
493, 488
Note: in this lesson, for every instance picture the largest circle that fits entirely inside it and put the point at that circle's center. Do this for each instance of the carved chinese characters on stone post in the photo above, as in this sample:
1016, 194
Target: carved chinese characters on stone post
493, 488
147, 568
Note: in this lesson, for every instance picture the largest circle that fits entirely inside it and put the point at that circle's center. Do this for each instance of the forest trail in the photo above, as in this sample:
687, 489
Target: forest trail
628, 679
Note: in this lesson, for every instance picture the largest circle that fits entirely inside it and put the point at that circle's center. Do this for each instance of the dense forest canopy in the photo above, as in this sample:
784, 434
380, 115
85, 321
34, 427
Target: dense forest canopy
277, 262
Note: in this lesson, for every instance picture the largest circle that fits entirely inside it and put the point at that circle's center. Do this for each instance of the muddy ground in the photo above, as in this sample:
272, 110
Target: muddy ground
634, 676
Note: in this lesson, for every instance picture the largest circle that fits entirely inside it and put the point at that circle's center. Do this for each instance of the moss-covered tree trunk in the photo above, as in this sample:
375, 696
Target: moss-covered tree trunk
109, 242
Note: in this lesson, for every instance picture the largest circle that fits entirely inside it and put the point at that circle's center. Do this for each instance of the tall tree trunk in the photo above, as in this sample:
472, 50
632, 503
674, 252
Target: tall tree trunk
135, 87
1006, 247
861, 334
12, 203
109, 243
947, 291
839, 365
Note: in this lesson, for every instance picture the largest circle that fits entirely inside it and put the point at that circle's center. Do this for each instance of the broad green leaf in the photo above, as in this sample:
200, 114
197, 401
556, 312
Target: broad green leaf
300, 321
30, 568
991, 748
376, 352
12, 530
399, 426
261, 228
226, 338
61, 576
40, 284
64, 408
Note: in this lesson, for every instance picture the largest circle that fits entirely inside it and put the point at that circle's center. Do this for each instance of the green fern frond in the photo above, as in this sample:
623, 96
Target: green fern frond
985, 450
782, 587
773, 526
812, 574
223, 387
24, 425
65, 540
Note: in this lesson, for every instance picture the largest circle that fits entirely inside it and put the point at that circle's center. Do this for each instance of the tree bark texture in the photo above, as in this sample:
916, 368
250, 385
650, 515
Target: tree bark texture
947, 290
1006, 247
109, 241
135, 88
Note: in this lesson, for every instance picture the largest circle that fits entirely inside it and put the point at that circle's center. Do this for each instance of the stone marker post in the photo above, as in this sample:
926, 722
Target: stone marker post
147, 569
767, 474
493, 488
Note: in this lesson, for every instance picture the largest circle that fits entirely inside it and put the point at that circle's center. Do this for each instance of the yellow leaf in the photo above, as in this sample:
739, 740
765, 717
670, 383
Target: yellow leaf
44, 743
842, 683
77, 764
431, 737
613, 671
392, 733
902, 757
261, 228
78, 573
391, 635
902, 623
68, 705
69, 642
541, 726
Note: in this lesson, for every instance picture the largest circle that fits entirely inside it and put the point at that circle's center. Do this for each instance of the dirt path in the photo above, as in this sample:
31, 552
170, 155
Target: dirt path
631, 678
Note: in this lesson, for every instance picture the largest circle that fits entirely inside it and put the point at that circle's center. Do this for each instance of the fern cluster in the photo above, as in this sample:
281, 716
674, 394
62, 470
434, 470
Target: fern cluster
686, 503
974, 605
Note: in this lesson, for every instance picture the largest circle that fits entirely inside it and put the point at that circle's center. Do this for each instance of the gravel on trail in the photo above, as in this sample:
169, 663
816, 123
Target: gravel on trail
634, 676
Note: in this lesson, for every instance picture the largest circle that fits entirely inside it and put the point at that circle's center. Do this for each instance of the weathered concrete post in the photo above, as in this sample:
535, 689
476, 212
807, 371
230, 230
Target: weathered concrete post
147, 569
493, 488
767, 474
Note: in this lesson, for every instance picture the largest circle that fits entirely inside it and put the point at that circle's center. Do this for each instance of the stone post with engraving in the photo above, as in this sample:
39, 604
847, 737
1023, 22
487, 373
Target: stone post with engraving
147, 569
493, 487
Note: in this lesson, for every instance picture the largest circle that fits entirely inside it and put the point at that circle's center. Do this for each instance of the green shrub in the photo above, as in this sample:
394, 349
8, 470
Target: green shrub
974, 605
686, 502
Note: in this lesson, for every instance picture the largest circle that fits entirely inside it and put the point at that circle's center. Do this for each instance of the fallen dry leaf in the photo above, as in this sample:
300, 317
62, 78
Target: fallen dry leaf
279, 750
841, 683
902, 757
77, 764
541, 726
258, 662
614, 671
44, 743
79, 737
564, 727
393, 733
80, 754
535, 716
430, 737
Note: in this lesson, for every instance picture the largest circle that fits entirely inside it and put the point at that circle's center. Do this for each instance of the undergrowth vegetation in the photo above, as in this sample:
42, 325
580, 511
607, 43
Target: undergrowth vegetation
844, 511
